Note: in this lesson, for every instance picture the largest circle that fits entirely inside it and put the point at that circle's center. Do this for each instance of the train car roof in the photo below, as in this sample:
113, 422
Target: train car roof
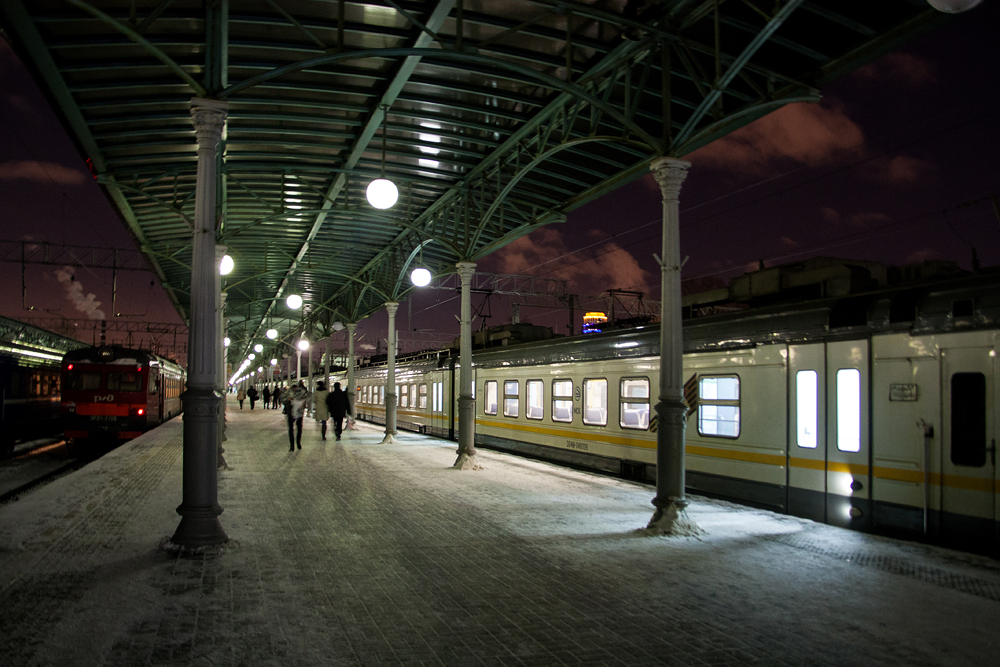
117, 356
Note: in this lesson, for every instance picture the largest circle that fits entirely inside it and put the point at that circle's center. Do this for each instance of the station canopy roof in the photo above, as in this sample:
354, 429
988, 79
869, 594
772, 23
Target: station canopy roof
495, 117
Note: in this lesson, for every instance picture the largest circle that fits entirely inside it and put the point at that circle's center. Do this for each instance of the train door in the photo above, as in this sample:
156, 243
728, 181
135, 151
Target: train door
968, 444
848, 478
807, 431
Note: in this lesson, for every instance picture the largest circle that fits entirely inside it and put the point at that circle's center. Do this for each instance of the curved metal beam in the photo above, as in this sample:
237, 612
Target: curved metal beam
144, 43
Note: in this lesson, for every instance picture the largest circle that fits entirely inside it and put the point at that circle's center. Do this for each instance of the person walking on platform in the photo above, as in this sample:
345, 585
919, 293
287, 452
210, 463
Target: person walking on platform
295, 408
241, 396
267, 396
322, 414
252, 395
339, 407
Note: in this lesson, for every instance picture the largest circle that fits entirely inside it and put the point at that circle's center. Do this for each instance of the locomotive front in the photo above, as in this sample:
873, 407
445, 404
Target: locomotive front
106, 393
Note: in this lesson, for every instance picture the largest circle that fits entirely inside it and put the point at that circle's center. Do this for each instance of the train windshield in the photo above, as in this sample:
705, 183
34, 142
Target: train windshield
124, 382
83, 381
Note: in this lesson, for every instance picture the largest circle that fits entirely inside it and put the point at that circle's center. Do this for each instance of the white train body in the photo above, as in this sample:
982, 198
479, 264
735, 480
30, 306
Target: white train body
887, 425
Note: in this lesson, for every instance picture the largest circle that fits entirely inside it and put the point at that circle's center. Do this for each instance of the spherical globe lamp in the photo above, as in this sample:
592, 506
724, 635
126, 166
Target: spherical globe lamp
274, 362
251, 356
272, 333
260, 369
953, 6
226, 341
303, 345
226, 265
421, 277
258, 348
294, 301
382, 193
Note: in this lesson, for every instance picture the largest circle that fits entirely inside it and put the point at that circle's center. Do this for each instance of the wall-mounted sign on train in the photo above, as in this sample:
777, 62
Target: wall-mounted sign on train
902, 392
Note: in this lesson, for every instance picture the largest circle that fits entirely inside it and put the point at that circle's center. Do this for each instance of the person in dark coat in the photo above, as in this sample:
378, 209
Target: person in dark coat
252, 395
267, 397
339, 406
276, 396
295, 406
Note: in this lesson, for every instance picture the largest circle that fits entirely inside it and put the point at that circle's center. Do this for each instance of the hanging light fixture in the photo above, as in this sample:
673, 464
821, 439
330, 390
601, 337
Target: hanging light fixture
272, 333
382, 193
258, 348
226, 265
294, 301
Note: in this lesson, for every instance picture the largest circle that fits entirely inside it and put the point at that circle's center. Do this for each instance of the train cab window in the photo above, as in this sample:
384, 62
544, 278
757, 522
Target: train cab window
511, 398
534, 397
719, 406
562, 400
423, 397
154, 383
491, 397
124, 382
634, 397
849, 410
806, 408
595, 402
968, 419
83, 381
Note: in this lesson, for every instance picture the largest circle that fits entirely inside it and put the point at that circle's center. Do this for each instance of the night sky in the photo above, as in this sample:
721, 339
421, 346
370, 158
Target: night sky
896, 164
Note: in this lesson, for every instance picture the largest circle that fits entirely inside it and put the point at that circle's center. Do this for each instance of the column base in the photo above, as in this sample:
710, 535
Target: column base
466, 462
199, 527
670, 518
389, 439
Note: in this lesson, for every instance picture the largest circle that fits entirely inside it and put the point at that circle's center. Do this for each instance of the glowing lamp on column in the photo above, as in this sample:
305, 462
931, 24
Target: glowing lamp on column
226, 341
303, 345
294, 301
258, 348
251, 356
420, 277
226, 265
274, 362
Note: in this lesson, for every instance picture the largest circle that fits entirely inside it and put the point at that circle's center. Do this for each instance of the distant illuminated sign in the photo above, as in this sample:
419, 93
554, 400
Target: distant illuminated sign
593, 321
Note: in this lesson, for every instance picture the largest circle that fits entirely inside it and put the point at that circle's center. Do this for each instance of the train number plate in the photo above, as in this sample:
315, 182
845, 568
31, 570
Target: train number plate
902, 392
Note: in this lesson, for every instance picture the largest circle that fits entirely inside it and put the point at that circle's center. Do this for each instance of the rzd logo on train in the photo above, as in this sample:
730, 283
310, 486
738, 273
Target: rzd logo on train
104, 399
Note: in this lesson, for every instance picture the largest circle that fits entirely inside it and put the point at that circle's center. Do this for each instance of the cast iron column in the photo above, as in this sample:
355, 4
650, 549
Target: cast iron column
390, 378
466, 404
671, 411
220, 250
351, 326
200, 508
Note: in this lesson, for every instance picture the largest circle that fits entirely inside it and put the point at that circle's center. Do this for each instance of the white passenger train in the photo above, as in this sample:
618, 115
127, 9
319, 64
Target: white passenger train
875, 411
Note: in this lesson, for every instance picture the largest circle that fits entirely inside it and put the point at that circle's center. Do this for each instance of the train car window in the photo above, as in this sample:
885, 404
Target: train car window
968, 419
423, 397
719, 406
562, 400
595, 402
634, 413
154, 383
83, 381
381, 394
511, 398
403, 396
806, 408
491, 397
849, 410
124, 382
535, 399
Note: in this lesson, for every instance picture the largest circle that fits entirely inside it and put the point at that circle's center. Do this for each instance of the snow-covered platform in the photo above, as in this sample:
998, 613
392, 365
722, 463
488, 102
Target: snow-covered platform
357, 553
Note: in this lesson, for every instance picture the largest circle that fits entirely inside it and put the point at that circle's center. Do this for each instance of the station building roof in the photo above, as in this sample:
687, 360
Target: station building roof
493, 118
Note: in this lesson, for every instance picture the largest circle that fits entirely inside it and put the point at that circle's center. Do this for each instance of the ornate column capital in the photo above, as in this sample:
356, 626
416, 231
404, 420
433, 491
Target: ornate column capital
390, 307
465, 271
208, 118
351, 326
669, 173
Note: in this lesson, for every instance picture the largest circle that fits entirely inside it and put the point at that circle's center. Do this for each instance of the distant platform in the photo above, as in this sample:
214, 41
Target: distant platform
358, 553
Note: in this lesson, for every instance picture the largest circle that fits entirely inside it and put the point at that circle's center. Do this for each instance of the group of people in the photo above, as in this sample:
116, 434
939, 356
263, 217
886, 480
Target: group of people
271, 398
329, 405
